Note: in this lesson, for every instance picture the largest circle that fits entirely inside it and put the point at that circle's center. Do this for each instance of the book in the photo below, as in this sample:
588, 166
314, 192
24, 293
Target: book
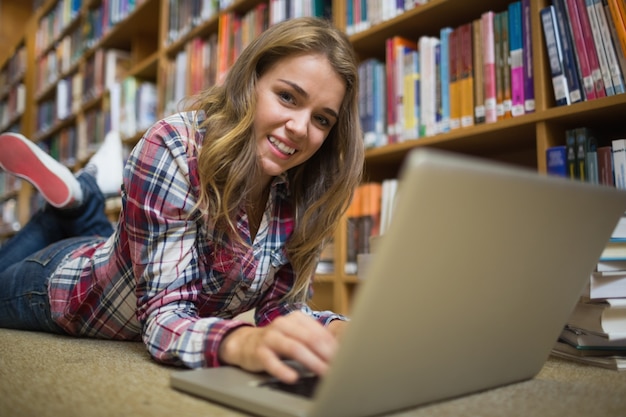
428, 85
615, 69
454, 41
444, 78
570, 144
572, 73
610, 266
605, 166
370, 213
603, 285
593, 54
556, 161
466, 83
599, 358
410, 97
529, 78
353, 213
395, 47
600, 47
555, 55
479, 92
591, 157
581, 153
489, 66
618, 16
516, 58
580, 48
606, 318
618, 147
582, 339
615, 250
506, 65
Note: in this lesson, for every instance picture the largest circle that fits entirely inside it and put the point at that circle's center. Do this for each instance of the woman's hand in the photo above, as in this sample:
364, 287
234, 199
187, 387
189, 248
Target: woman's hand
295, 336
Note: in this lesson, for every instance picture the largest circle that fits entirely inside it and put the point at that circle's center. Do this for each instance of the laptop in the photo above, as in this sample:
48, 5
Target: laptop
468, 290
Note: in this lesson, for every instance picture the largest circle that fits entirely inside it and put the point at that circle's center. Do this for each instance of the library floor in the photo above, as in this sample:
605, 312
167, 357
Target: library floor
48, 375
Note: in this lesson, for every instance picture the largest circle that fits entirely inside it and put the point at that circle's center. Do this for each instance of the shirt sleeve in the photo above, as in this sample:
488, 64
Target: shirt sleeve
162, 232
272, 305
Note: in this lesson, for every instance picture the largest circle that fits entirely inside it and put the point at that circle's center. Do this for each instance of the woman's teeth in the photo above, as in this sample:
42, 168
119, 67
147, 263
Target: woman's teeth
281, 146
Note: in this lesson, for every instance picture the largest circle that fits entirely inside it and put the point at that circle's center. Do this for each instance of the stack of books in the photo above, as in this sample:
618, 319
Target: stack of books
596, 330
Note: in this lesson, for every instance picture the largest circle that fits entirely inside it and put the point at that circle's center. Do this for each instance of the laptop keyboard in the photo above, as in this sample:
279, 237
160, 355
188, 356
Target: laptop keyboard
305, 386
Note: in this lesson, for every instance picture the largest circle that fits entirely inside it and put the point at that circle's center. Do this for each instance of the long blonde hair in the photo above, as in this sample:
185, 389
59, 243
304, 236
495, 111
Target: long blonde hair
322, 187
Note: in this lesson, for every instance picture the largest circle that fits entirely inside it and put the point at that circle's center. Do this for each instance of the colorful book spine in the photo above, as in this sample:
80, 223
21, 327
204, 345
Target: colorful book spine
455, 75
489, 66
605, 166
444, 71
516, 57
467, 76
479, 92
619, 162
529, 78
553, 45
590, 47
572, 74
581, 54
615, 70
506, 64
600, 47
617, 10
428, 90
556, 161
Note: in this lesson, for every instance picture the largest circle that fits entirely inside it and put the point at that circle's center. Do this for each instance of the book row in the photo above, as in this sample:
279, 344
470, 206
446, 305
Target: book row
589, 156
478, 72
65, 16
586, 44
184, 17
361, 15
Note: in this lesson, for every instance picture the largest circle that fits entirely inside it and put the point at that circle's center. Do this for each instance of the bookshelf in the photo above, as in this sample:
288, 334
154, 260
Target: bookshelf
154, 35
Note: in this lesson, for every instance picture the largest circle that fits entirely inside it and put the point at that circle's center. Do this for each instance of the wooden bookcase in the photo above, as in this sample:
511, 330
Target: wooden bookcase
143, 33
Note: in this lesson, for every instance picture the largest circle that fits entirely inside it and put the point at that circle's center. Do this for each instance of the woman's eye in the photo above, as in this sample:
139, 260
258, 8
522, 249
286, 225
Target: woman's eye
323, 121
286, 97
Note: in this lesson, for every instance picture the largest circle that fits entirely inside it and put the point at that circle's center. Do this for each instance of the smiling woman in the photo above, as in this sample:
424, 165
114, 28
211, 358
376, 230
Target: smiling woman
226, 207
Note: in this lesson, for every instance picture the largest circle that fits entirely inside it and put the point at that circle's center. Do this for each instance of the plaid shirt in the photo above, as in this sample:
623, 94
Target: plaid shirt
160, 277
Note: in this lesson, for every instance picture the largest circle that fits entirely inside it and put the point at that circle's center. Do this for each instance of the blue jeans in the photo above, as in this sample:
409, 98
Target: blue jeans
30, 257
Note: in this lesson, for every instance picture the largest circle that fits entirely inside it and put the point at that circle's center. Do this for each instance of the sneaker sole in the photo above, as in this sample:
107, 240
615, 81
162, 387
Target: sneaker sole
26, 160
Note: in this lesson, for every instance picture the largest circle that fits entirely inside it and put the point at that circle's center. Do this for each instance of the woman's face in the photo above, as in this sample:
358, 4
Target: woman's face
298, 102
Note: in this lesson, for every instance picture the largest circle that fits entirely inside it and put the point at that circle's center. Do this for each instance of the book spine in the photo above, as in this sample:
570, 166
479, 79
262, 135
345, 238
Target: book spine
479, 92
615, 71
553, 46
570, 144
516, 57
467, 76
619, 162
529, 78
605, 166
556, 161
444, 70
580, 47
499, 59
590, 46
455, 95
506, 65
618, 15
489, 66
600, 47
570, 65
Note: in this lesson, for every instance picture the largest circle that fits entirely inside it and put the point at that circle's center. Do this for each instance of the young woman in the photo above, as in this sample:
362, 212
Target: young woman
225, 209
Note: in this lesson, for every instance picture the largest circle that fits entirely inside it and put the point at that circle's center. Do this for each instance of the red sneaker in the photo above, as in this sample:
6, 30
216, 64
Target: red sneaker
21, 157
